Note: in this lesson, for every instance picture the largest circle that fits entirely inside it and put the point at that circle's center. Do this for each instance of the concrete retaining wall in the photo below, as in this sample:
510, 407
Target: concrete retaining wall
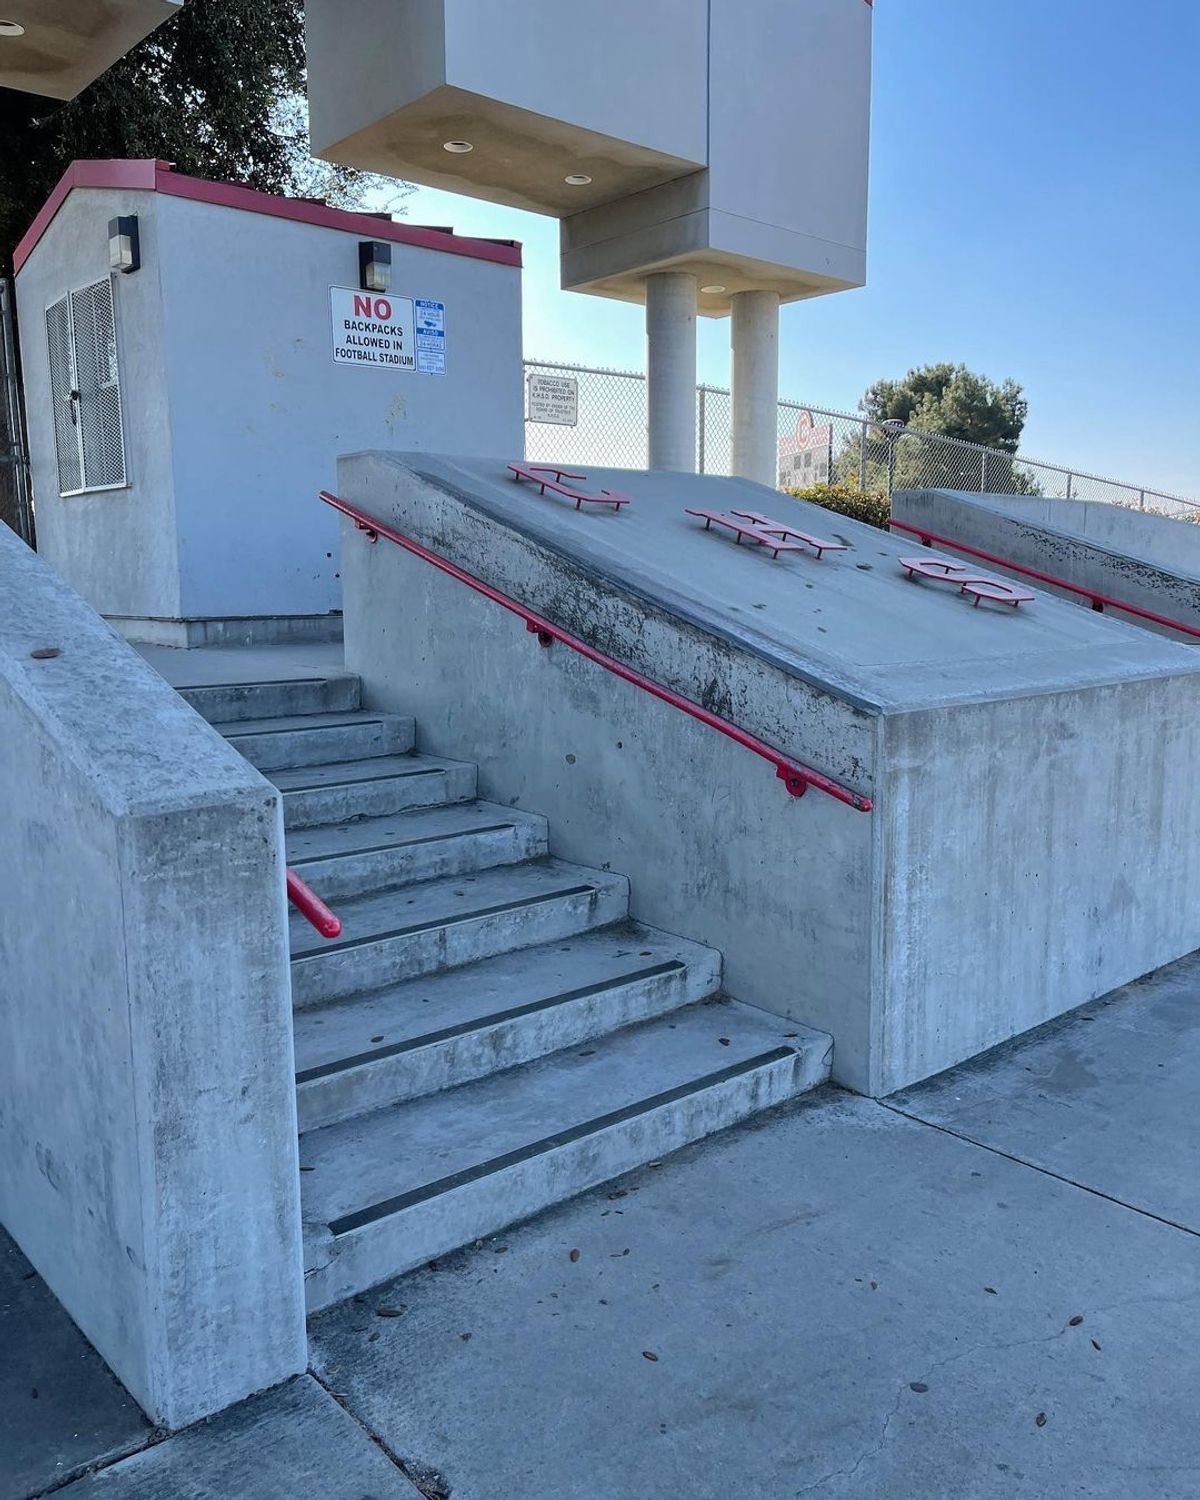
716, 848
147, 1115
1036, 833
1035, 853
1152, 562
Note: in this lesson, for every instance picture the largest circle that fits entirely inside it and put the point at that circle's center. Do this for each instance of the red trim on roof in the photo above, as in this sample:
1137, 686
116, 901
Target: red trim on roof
157, 177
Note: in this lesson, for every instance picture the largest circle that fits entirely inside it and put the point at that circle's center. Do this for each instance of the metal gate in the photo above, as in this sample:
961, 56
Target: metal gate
15, 508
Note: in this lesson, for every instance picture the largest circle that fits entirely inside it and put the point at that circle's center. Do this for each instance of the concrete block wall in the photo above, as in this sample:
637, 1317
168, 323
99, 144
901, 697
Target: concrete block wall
148, 1158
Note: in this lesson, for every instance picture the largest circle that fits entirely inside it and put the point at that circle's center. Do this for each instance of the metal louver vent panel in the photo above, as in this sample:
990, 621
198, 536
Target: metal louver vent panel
62, 383
99, 388
86, 390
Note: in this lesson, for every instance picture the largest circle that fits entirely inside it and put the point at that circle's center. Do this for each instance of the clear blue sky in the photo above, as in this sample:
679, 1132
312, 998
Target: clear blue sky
1035, 212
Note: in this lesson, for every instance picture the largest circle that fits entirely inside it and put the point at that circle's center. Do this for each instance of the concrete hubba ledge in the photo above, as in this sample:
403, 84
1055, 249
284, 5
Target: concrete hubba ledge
1035, 839
1151, 562
147, 1112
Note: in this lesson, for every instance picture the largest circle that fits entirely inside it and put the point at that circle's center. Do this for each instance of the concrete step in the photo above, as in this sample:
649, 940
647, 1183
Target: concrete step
387, 1191
317, 739
443, 1030
225, 703
384, 784
349, 859
439, 924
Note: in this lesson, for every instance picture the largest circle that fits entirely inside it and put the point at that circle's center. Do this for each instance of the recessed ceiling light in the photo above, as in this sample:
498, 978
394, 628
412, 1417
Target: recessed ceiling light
712, 290
459, 148
11, 28
577, 179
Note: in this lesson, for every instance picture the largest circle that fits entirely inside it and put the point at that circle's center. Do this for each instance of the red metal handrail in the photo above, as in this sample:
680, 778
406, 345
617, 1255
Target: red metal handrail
796, 778
309, 905
1099, 601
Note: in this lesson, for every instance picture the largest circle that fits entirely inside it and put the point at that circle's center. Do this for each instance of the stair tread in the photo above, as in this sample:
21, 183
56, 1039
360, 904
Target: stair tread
297, 679
347, 772
373, 1162
349, 718
329, 840
402, 1014
448, 899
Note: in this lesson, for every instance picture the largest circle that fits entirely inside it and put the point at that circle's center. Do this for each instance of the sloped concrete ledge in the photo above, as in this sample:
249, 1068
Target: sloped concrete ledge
147, 1117
1035, 838
1152, 562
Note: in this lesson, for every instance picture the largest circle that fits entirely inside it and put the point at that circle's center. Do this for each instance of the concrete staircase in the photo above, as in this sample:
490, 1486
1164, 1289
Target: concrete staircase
491, 1033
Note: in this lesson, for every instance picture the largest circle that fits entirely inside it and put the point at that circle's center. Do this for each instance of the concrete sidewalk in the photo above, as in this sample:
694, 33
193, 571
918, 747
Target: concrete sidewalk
988, 1286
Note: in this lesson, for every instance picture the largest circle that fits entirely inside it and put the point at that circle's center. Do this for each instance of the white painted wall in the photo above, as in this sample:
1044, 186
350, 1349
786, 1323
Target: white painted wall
235, 411
623, 68
117, 548
260, 412
790, 110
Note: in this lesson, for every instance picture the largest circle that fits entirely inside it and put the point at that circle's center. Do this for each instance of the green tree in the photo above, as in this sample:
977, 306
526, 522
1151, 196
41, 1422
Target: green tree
218, 90
954, 401
961, 411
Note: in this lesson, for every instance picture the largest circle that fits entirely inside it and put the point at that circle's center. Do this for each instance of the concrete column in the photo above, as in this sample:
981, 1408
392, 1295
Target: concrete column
754, 377
671, 370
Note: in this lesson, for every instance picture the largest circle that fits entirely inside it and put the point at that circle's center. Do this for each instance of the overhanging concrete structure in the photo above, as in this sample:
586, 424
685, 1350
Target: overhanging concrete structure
1105, 555
725, 143
62, 47
964, 909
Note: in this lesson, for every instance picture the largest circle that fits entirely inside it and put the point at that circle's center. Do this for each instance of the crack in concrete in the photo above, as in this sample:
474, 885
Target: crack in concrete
876, 1448
427, 1482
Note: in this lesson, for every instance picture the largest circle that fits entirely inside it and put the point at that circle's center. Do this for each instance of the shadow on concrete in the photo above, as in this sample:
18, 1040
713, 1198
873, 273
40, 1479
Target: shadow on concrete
833, 1300
1105, 1097
61, 1409
836, 1299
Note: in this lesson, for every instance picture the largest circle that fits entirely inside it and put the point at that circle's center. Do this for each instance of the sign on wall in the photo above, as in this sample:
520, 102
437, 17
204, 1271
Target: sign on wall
806, 456
431, 336
370, 328
554, 398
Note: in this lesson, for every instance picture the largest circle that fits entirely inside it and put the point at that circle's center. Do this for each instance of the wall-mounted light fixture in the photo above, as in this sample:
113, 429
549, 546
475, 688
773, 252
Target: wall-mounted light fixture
374, 266
124, 252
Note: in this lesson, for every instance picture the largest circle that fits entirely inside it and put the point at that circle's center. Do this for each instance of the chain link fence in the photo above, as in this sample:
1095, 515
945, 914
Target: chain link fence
599, 417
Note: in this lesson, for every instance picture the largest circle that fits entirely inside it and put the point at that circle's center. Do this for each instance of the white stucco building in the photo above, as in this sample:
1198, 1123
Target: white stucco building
183, 416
